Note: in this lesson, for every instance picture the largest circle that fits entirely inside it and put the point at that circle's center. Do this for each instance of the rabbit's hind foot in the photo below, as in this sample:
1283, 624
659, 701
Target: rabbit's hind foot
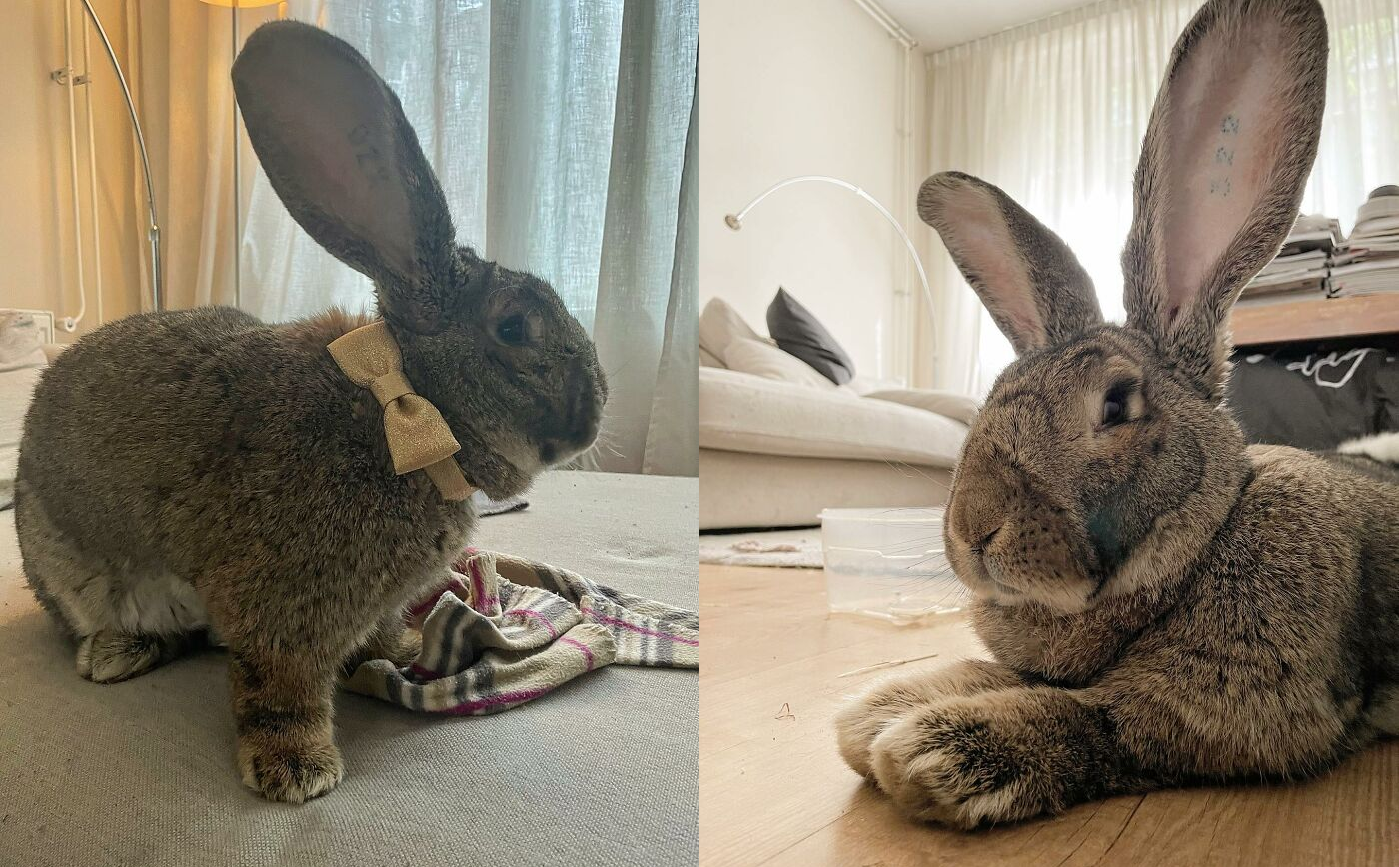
110, 656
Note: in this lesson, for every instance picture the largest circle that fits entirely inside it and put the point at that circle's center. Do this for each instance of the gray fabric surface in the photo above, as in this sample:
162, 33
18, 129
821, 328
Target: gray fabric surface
603, 771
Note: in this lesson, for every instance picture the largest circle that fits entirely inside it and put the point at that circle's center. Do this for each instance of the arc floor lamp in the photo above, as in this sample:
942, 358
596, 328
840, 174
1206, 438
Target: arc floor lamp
67, 77
735, 222
153, 230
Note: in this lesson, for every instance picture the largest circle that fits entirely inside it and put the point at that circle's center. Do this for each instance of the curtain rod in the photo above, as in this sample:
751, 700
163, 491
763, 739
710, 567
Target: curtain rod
1076, 13
890, 24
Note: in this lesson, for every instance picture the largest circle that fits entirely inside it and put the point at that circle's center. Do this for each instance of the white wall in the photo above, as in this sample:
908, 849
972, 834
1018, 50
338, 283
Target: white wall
792, 87
37, 254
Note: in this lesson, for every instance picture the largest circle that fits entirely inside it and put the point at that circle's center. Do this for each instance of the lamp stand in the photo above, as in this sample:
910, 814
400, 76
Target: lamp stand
735, 222
153, 231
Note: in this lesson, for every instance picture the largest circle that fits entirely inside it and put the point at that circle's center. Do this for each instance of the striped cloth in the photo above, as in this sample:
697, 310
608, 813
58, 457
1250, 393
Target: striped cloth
504, 630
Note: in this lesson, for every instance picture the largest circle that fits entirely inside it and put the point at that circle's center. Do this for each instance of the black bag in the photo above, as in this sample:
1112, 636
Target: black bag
1315, 396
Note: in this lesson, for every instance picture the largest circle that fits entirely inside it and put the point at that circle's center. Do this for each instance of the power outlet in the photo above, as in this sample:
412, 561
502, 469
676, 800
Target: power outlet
42, 318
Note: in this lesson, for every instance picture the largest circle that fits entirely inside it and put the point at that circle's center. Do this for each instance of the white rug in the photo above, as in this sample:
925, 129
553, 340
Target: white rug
791, 549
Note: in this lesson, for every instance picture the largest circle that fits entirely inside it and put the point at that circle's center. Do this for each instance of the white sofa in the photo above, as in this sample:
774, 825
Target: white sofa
775, 451
22, 361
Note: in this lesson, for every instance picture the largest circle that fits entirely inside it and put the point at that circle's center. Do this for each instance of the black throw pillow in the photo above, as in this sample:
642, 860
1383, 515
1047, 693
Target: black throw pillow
799, 333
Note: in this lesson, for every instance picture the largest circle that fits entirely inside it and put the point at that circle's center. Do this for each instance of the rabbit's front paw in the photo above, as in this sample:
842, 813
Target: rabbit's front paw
401, 646
945, 763
866, 716
404, 648
294, 775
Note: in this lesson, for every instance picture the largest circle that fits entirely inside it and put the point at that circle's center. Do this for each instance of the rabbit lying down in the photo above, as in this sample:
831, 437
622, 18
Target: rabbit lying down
201, 469
1162, 604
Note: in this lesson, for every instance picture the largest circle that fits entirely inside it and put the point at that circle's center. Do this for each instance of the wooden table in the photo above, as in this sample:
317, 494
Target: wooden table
1315, 319
775, 791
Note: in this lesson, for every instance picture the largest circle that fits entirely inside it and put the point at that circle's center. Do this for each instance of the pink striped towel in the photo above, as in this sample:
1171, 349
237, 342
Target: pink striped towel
505, 630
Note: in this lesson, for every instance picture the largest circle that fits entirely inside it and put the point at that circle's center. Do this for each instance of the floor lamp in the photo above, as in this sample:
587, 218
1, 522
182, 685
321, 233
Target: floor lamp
735, 221
153, 231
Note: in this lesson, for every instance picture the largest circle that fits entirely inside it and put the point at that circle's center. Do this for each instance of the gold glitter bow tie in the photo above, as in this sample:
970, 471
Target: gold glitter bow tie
418, 436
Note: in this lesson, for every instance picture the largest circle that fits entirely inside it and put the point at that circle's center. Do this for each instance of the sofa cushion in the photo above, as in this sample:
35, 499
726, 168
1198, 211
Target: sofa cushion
751, 490
16, 389
760, 358
863, 385
718, 324
950, 404
743, 413
21, 341
800, 333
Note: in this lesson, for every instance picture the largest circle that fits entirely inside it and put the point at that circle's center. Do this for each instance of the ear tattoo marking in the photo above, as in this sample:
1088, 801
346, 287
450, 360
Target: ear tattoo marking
370, 161
1224, 155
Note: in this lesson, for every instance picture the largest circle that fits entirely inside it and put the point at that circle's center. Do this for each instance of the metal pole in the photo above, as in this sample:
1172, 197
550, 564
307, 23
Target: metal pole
154, 231
735, 222
237, 187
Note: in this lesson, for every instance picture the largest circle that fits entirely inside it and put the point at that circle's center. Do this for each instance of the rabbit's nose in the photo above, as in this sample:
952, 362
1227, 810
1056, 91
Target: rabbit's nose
980, 507
980, 545
584, 405
976, 524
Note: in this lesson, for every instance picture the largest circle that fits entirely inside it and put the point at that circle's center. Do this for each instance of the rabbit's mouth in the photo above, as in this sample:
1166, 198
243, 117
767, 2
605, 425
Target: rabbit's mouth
552, 453
577, 438
1007, 575
980, 575
972, 567
1000, 587
531, 456
574, 429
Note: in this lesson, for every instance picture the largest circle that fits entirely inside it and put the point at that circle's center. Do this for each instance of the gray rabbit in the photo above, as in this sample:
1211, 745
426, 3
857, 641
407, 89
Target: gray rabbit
1163, 604
200, 470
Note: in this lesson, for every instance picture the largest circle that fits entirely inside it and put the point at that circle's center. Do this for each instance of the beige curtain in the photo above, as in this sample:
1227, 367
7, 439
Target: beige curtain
560, 133
1053, 112
179, 55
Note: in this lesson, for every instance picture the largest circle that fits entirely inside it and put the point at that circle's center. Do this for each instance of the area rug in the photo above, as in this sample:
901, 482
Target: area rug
789, 549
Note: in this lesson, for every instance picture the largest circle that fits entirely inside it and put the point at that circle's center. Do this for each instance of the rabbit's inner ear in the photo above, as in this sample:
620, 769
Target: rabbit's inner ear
338, 150
1030, 282
1227, 151
980, 243
1221, 144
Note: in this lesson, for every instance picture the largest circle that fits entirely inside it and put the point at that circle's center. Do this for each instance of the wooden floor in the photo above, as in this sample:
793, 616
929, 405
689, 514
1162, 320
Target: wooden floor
773, 789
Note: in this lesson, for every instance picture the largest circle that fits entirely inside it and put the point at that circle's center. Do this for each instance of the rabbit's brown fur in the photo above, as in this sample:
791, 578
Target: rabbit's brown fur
1163, 604
199, 470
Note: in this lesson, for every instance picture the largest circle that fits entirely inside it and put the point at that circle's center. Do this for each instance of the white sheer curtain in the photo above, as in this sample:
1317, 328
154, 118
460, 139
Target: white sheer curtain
559, 131
1053, 113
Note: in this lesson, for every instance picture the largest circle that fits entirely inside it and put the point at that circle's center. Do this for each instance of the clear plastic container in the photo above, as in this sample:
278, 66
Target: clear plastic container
888, 563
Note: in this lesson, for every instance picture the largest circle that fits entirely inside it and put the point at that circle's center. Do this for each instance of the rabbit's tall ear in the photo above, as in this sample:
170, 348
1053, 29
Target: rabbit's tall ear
1226, 155
1026, 276
346, 163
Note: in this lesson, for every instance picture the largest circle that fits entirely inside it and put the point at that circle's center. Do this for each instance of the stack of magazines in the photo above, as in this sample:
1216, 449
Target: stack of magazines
1300, 268
1368, 262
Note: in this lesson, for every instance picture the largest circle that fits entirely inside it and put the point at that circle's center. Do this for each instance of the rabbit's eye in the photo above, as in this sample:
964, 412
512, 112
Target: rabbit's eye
512, 330
1115, 405
1112, 410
